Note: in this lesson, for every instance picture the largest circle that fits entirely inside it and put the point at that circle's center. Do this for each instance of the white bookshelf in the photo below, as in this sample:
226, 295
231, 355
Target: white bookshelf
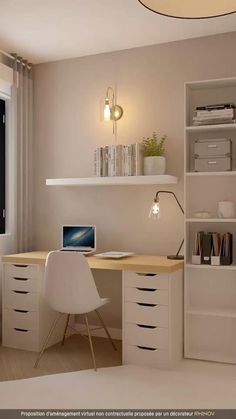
114, 181
210, 291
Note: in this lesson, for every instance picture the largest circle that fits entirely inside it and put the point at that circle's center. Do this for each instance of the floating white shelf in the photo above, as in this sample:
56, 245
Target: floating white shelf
206, 128
116, 180
200, 174
223, 267
210, 220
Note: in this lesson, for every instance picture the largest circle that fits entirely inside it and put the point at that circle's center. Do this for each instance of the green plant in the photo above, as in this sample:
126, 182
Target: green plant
153, 146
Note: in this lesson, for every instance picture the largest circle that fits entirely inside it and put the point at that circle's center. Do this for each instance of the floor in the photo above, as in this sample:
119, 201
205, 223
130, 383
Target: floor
193, 384
73, 356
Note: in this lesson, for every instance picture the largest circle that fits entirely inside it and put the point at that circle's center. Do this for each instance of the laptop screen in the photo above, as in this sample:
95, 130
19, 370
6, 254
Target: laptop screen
79, 236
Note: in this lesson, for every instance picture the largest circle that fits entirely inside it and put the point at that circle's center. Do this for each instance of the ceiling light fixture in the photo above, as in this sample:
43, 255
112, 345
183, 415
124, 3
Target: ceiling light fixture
191, 9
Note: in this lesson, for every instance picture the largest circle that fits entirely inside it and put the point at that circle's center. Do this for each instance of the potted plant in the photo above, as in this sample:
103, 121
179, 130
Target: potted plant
153, 152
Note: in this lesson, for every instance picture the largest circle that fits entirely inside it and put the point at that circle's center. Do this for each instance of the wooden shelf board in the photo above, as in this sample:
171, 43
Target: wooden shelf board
205, 128
192, 266
113, 181
210, 220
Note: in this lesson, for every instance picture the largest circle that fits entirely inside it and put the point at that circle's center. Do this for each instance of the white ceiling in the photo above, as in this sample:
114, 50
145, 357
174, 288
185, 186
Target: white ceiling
49, 30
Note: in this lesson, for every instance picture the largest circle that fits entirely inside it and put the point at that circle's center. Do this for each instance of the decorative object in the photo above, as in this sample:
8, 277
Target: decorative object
190, 9
202, 214
153, 151
155, 213
112, 111
226, 209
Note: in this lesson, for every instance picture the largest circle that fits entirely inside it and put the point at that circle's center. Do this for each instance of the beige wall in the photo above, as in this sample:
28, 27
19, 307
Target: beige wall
68, 127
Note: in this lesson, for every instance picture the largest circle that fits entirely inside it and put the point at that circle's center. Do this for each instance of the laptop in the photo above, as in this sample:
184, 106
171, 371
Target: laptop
79, 238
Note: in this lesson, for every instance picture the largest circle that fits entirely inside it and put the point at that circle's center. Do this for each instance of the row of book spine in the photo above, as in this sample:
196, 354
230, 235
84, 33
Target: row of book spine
118, 160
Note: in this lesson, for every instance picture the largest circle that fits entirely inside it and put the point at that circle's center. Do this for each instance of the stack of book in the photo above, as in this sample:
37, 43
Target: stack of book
118, 160
214, 114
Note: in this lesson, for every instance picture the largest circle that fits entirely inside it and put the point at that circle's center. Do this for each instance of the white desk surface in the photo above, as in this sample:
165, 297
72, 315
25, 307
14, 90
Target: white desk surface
136, 263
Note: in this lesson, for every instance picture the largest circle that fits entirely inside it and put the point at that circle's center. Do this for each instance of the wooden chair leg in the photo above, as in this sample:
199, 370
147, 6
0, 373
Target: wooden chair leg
90, 342
47, 340
106, 330
64, 335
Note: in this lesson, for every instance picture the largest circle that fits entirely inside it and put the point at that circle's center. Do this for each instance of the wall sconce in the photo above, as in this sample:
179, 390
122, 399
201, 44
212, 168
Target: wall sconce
112, 111
155, 214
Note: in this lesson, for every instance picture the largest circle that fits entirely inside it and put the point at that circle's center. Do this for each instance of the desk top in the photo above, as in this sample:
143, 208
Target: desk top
136, 263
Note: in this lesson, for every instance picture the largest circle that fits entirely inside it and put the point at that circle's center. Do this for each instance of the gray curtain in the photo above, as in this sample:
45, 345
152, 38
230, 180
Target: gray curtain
22, 97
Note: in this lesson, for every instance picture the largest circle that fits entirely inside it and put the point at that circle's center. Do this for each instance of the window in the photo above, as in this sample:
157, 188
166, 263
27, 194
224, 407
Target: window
2, 168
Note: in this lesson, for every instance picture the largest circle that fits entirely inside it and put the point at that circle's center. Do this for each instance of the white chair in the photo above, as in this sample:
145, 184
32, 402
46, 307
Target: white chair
70, 289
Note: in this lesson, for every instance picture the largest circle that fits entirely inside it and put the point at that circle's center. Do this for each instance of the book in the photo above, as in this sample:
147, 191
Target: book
98, 161
136, 159
111, 160
127, 153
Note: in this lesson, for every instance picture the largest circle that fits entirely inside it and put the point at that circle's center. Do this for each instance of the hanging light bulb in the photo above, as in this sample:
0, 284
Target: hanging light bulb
107, 110
155, 209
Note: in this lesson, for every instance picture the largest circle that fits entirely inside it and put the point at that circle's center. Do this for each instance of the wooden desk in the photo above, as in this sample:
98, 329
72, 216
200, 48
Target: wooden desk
136, 263
152, 316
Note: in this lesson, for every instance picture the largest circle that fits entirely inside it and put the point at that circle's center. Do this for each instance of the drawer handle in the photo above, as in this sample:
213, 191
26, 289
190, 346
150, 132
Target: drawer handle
21, 266
147, 304
147, 289
20, 330
142, 274
146, 348
212, 146
211, 162
21, 292
145, 326
20, 279
21, 311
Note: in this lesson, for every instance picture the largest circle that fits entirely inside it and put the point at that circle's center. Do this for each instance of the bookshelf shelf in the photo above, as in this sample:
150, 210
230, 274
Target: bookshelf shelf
207, 128
215, 313
210, 220
219, 267
201, 174
210, 307
114, 181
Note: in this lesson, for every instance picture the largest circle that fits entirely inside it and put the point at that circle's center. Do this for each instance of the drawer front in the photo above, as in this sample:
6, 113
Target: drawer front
22, 319
144, 280
20, 270
212, 148
20, 339
21, 300
146, 295
144, 356
218, 164
138, 335
149, 315
21, 283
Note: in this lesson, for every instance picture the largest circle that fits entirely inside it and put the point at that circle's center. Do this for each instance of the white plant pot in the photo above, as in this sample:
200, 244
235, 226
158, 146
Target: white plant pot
154, 165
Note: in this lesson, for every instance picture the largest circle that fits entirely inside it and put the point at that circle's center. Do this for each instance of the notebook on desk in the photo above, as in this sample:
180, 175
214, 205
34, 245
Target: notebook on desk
79, 238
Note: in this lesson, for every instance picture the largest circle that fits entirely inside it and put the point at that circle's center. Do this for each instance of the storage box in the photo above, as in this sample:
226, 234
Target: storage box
212, 164
218, 147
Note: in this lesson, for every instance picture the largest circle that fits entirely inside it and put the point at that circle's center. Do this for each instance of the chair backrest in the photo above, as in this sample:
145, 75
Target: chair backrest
69, 283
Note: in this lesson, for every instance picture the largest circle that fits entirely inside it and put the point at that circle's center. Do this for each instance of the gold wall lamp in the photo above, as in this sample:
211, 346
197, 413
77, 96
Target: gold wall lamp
112, 111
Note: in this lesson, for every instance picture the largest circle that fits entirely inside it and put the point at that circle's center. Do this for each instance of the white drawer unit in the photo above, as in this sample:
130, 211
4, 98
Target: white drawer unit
146, 280
147, 314
146, 295
26, 317
153, 318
